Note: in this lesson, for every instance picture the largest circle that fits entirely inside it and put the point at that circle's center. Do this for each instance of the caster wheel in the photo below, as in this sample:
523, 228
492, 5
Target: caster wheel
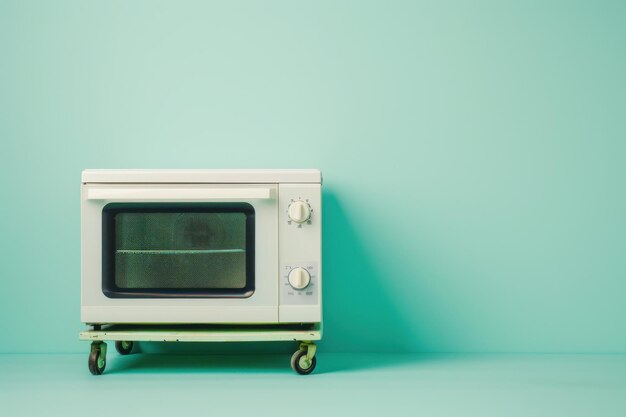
301, 364
123, 347
97, 361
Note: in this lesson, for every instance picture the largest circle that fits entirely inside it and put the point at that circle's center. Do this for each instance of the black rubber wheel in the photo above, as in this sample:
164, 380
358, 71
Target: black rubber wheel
97, 363
123, 347
298, 365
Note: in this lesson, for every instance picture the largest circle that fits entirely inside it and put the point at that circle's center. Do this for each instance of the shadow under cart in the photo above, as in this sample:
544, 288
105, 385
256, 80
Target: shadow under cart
303, 360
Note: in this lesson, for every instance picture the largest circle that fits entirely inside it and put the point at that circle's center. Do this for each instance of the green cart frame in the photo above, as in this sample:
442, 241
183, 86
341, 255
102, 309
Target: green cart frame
303, 361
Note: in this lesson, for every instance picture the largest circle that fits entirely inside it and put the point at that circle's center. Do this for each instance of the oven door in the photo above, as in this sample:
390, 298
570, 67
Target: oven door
179, 253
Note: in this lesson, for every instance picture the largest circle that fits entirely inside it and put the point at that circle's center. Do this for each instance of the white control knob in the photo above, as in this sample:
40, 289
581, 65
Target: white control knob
299, 211
299, 278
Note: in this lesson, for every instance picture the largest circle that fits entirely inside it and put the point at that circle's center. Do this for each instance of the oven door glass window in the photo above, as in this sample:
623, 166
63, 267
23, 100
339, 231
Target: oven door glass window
178, 250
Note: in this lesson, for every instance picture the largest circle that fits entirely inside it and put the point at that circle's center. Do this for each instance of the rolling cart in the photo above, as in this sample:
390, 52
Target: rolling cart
303, 361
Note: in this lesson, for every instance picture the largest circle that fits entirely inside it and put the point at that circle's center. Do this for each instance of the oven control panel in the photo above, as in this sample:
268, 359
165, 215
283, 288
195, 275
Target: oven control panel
299, 283
299, 253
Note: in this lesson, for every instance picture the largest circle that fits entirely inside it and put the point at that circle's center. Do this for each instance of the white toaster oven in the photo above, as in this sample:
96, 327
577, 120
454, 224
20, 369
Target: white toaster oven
201, 246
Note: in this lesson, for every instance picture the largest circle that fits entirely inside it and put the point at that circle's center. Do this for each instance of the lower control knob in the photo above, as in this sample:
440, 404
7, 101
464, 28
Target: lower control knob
299, 278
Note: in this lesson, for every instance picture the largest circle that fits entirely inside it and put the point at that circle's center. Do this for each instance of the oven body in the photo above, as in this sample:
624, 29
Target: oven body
201, 246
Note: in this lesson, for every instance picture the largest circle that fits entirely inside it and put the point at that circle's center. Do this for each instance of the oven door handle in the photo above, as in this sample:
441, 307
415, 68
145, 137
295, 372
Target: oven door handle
178, 194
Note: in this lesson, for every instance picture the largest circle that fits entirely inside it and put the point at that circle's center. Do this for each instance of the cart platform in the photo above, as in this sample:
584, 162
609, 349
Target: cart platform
203, 333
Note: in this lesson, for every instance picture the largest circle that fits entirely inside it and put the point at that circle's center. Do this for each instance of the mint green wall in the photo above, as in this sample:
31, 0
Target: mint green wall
473, 154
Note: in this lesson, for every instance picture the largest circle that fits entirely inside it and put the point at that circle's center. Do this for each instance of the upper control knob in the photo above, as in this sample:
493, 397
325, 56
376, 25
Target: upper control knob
299, 211
299, 278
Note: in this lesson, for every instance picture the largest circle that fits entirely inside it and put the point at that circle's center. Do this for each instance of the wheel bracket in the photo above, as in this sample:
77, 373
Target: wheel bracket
101, 346
310, 349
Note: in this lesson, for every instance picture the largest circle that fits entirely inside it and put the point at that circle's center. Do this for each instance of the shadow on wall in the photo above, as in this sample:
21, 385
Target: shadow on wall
360, 314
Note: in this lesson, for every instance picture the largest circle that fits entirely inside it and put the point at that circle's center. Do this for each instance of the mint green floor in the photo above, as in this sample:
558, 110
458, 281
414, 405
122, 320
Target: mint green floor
343, 385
